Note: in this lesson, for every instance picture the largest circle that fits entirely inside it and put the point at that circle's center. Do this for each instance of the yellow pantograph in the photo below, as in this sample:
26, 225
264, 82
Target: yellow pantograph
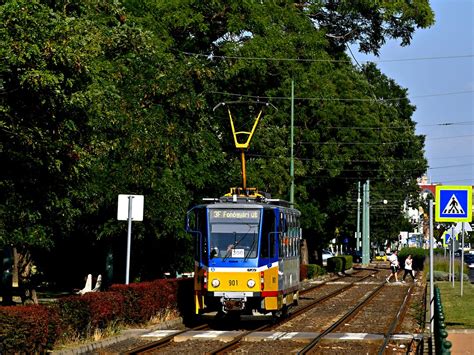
243, 145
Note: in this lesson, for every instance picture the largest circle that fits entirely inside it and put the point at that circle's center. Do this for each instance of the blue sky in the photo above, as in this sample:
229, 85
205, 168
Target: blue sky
442, 89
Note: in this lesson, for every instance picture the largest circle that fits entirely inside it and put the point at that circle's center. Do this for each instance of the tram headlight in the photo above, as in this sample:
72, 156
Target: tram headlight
215, 283
251, 283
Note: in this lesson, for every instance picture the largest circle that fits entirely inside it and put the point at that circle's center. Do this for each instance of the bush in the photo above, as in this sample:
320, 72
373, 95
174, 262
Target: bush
444, 276
144, 300
309, 271
28, 329
35, 329
81, 315
418, 255
336, 264
348, 263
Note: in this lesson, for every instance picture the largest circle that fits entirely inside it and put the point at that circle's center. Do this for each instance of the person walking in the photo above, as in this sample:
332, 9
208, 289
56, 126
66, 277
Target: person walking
408, 268
394, 265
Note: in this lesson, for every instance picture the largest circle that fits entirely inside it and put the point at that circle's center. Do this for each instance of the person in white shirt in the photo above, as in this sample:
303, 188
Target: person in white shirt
393, 266
408, 268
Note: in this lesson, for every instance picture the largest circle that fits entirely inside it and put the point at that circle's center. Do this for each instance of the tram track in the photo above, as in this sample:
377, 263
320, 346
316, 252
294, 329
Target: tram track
155, 345
165, 344
311, 347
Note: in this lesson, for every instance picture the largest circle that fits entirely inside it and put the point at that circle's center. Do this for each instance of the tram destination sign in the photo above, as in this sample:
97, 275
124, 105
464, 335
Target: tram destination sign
235, 215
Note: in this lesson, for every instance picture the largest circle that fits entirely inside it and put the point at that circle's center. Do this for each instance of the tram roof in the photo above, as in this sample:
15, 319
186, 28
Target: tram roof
246, 202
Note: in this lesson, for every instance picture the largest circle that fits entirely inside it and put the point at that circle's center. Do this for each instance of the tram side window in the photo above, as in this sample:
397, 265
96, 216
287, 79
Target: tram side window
281, 236
267, 247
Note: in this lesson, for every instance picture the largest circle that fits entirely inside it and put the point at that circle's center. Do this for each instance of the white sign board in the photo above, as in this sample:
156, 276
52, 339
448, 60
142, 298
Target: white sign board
137, 207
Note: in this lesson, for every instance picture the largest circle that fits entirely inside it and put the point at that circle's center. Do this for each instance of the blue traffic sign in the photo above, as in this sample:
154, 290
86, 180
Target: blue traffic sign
453, 204
448, 237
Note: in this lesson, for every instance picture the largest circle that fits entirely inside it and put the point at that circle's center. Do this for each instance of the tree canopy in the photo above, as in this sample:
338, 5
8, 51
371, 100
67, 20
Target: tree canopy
99, 98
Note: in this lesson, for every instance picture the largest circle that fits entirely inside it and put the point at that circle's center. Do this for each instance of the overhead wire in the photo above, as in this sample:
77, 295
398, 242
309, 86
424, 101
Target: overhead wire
341, 99
283, 59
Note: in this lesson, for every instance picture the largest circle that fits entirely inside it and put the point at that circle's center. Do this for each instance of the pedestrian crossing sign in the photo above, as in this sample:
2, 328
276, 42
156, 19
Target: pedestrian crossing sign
453, 204
446, 239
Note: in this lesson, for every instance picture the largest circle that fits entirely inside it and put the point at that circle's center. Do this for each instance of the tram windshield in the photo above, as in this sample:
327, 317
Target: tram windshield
234, 240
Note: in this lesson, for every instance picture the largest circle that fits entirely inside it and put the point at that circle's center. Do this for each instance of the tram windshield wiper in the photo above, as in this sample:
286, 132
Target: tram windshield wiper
251, 247
236, 242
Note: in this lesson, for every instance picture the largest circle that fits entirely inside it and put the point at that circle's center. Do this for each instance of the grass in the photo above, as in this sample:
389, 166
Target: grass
442, 264
459, 311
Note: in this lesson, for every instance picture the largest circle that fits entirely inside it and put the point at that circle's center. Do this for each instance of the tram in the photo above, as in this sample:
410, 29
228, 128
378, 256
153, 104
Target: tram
247, 255
247, 248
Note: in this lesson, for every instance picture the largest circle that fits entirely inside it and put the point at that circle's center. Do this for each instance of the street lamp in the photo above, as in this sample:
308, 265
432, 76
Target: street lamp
358, 217
366, 223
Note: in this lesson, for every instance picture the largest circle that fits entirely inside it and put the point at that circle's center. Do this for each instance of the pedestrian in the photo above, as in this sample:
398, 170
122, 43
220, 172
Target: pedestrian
408, 268
393, 266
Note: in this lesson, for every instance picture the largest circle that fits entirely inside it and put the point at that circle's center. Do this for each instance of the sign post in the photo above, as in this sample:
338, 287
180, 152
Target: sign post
454, 204
130, 207
452, 255
465, 227
431, 272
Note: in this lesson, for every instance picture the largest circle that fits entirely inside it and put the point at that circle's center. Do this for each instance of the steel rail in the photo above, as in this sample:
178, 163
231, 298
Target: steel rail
348, 314
158, 343
395, 321
164, 341
232, 344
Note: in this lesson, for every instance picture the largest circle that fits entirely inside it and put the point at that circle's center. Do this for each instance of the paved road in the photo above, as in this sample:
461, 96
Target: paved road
462, 340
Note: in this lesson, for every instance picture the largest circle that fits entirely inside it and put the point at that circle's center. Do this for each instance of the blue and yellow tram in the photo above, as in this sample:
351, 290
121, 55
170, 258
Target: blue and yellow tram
247, 254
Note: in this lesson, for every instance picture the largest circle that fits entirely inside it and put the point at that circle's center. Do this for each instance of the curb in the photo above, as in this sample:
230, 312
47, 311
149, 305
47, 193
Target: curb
126, 334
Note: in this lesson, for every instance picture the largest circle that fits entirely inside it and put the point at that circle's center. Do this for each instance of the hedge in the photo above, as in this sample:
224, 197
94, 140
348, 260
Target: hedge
339, 263
81, 315
29, 329
144, 300
418, 255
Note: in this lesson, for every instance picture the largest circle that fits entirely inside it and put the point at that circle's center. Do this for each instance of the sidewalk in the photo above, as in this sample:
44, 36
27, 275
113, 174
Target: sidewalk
462, 340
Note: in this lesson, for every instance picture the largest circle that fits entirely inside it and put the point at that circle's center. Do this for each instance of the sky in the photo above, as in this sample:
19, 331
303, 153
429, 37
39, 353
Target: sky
442, 89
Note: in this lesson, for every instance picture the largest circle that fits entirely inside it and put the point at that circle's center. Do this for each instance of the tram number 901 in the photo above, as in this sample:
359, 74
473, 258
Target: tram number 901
233, 283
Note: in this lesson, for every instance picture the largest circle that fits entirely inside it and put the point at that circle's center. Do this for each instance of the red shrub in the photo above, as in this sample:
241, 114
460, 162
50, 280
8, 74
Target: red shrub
28, 329
147, 299
104, 308
82, 314
36, 328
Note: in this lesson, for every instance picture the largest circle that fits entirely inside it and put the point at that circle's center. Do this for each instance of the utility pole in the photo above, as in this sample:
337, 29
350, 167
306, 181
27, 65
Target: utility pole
292, 160
366, 224
358, 217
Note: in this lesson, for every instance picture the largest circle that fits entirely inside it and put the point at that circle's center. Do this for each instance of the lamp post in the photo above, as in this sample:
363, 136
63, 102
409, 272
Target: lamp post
366, 224
358, 217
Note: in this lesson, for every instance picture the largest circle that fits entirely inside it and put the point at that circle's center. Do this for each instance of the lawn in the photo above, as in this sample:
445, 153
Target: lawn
459, 311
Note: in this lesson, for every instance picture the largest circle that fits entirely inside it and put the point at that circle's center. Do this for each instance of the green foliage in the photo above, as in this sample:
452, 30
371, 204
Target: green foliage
101, 98
339, 263
442, 264
348, 262
335, 264
315, 270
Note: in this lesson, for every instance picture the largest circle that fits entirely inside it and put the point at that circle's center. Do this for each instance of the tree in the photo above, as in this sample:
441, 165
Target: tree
100, 98
369, 23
